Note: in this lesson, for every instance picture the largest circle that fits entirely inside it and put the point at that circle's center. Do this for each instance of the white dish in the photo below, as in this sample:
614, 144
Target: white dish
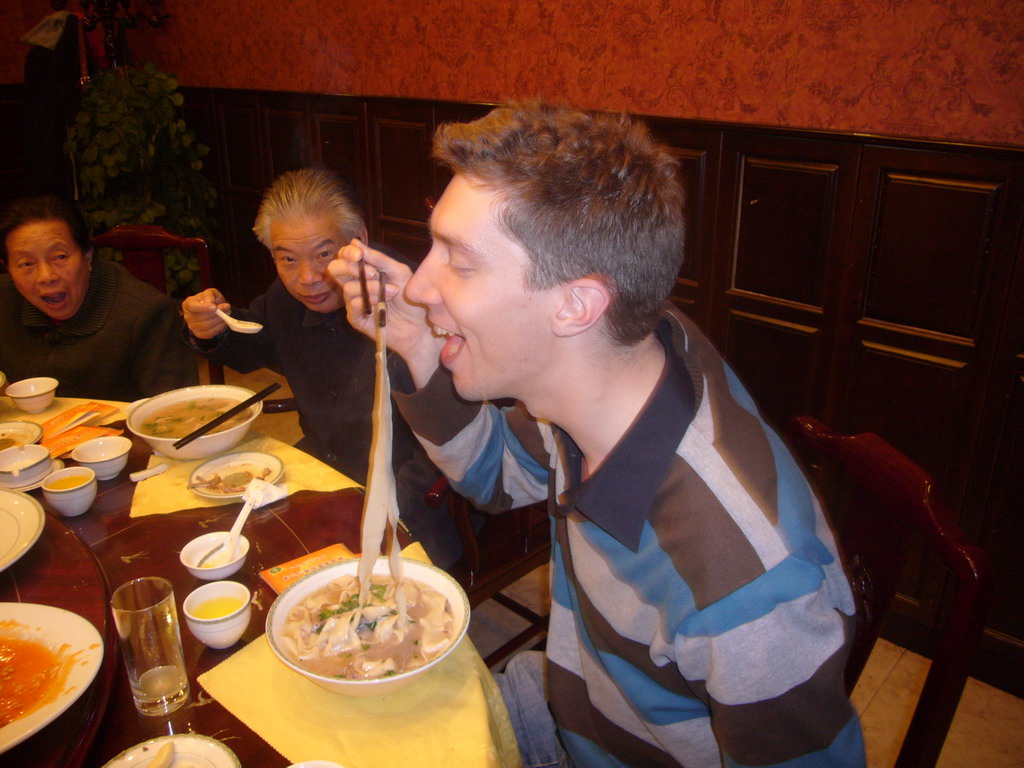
191, 749
425, 573
54, 467
21, 523
254, 462
21, 432
75, 640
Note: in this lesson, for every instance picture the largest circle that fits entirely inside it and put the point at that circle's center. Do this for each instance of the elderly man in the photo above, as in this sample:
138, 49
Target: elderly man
304, 218
700, 614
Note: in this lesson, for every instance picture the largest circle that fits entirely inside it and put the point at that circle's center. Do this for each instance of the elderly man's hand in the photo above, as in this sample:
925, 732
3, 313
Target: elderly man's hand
200, 313
407, 331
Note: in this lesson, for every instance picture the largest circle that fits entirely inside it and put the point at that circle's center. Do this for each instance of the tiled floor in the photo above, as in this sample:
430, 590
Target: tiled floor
988, 731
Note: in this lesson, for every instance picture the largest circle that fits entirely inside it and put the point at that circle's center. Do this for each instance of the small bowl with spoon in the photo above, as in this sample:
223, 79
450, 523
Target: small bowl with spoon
216, 555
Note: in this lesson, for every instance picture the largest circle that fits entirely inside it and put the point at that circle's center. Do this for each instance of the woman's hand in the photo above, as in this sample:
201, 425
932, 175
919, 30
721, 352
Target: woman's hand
407, 330
200, 313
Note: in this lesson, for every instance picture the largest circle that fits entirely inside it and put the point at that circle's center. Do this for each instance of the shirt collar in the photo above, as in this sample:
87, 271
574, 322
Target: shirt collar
618, 497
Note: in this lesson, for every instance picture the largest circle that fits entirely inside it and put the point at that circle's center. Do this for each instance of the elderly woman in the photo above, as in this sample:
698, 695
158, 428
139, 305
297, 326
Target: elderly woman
82, 320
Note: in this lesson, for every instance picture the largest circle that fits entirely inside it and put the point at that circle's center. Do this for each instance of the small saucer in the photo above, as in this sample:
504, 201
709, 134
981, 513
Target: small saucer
57, 464
20, 432
189, 749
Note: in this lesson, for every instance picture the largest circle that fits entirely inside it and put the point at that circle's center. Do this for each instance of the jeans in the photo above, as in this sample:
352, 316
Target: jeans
522, 687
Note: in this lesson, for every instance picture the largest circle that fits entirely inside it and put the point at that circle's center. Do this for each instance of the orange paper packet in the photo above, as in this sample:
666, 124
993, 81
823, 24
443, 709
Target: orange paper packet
280, 577
65, 441
61, 420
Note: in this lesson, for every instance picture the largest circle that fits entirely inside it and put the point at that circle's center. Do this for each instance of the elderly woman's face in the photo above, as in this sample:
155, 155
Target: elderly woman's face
48, 268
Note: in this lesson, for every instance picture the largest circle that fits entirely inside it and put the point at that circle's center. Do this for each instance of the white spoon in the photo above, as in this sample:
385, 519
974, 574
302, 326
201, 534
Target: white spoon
224, 552
240, 326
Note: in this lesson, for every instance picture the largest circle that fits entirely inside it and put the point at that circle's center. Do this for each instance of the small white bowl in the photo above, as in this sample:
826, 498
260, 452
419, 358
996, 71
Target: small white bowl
22, 465
424, 573
226, 629
33, 395
106, 456
203, 447
193, 552
70, 491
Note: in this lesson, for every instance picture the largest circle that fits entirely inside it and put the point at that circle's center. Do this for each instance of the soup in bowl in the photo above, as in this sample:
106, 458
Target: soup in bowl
166, 418
312, 627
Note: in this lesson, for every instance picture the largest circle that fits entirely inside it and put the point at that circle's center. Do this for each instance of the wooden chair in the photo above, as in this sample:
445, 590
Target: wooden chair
142, 249
507, 547
891, 500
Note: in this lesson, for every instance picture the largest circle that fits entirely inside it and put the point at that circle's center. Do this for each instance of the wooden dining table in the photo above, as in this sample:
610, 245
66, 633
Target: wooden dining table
78, 561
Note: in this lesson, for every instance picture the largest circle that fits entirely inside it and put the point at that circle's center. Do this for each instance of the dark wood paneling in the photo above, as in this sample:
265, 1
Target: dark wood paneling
698, 154
933, 240
782, 229
286, 128
240, 145
339, 142
402, 174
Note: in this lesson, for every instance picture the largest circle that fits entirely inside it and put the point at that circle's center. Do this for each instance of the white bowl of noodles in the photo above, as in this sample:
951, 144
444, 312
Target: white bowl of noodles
164, 419
379, 653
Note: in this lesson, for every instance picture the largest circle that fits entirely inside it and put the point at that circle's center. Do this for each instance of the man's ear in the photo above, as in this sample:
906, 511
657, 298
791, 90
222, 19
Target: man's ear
584, 302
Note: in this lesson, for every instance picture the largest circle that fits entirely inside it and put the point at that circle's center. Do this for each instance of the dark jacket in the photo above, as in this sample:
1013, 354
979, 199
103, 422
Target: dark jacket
122, 344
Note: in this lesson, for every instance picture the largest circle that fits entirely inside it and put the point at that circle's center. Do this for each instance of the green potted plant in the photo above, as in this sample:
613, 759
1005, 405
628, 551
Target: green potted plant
136, 162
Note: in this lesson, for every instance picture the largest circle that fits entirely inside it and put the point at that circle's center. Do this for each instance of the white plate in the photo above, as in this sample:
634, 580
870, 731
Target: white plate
191, 750
21, 523
57, 464
75, 640
244, 461
21, 432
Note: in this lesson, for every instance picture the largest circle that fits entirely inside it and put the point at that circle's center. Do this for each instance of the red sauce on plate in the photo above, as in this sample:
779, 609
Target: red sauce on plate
30, 675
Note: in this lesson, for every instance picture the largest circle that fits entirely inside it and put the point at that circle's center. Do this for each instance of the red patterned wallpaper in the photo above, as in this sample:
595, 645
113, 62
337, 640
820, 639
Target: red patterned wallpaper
946, 69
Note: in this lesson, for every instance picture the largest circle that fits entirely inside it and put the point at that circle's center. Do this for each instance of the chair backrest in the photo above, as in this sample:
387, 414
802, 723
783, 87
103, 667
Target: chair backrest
892, 500
142, 249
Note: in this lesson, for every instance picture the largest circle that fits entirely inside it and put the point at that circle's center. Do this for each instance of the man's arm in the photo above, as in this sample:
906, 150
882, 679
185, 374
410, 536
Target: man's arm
208, 335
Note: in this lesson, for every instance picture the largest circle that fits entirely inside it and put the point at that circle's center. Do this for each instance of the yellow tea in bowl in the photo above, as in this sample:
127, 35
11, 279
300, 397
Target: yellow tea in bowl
67, 483
217, 607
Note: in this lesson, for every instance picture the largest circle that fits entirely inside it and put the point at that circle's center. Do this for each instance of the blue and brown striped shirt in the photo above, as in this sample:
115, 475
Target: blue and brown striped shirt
700, 613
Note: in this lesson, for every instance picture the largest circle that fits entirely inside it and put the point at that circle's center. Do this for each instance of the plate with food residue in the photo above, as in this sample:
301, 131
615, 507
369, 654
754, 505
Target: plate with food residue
182, 750
50, 657
14, 433
227, 476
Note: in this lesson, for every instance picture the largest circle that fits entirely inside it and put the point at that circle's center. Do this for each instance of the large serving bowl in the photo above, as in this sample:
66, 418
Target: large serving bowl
413, 569
203, 447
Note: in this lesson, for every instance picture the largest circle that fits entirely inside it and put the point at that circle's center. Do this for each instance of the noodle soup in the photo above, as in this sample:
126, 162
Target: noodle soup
296, 612
180, 419
328, 634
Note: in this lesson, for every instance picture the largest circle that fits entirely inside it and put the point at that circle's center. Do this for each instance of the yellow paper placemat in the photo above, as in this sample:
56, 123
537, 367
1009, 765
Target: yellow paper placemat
169, 490
453, 716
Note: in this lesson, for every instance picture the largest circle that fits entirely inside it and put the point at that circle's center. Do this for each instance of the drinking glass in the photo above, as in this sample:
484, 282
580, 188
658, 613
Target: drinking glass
147, 623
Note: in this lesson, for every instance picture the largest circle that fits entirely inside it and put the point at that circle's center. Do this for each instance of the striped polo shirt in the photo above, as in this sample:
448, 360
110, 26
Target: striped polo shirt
700, 613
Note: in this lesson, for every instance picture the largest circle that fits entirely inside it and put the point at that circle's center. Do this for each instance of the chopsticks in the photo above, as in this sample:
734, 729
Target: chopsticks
233, 410
382, 305
368, 308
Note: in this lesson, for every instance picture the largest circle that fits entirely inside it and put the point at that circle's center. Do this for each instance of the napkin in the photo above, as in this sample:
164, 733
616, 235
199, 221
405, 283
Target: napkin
168, 492
453, 716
